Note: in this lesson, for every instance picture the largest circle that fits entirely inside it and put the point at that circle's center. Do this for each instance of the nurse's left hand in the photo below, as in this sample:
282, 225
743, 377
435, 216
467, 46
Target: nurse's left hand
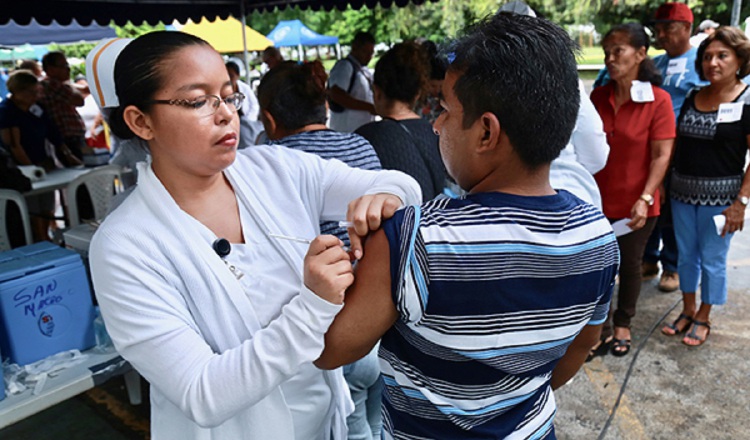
366, 214
328, 271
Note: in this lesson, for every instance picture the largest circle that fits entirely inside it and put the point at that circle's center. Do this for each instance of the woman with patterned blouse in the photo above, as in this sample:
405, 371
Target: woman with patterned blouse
709, 179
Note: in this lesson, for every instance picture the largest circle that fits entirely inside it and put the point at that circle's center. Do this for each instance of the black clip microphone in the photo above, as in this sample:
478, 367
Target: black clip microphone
222, 247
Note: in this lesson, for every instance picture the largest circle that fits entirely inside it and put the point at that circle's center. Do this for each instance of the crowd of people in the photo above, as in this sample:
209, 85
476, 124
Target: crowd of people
422, 251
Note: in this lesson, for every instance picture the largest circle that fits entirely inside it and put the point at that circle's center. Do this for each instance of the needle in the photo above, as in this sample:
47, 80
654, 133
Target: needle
298, 239
289, 237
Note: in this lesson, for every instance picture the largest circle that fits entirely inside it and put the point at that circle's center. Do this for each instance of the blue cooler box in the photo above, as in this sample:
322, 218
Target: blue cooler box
2, 381
45, 303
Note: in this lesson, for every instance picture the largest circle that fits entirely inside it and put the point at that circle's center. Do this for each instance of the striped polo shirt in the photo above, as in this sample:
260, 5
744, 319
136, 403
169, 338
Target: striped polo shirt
350, 148
491, 289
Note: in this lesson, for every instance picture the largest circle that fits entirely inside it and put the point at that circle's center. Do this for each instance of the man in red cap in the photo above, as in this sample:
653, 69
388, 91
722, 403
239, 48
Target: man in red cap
672, 27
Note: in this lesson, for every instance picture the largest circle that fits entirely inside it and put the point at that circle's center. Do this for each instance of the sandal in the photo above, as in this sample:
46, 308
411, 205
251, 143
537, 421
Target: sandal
600, 349
672, 329
621, 347
697, 341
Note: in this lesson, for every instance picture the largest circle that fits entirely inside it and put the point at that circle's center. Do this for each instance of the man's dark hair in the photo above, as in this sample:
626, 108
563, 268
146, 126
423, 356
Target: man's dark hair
51, 58
523, 70
234, 67
291, 94
361, 38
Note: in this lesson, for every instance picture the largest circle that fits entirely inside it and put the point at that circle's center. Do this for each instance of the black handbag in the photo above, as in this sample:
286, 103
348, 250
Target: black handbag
10, 176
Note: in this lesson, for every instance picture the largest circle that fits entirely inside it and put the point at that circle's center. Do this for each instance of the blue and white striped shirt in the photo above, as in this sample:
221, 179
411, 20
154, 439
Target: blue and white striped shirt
491, 290
350, 148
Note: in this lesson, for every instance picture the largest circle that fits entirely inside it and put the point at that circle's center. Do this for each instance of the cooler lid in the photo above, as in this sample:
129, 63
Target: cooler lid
34, 258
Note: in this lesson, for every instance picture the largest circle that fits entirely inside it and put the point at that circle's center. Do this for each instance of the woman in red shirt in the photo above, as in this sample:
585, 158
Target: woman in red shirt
640, 126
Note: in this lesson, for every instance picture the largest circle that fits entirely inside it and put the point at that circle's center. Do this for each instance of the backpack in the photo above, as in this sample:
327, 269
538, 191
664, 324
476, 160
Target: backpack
332, 105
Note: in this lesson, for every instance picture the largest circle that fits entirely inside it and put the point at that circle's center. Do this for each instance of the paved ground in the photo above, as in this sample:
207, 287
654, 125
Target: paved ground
674, 391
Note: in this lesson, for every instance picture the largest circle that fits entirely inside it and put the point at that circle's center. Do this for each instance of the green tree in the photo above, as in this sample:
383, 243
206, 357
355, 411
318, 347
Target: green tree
131, 30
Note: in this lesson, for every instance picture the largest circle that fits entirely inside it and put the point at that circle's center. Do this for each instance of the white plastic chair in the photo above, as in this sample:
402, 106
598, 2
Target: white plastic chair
9, 195
103, 184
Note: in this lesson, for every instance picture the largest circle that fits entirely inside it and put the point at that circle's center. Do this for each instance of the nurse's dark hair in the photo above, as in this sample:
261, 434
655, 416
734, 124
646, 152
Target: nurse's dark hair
141, 70
523, 70
736, 40
638, 38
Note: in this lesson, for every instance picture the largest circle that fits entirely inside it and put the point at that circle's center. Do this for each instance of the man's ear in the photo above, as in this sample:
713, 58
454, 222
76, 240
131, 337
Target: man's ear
269, 123
490, 126
138, 122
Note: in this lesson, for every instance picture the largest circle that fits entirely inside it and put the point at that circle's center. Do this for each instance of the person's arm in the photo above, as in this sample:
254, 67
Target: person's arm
588, 139
575, 356
368, 311
735, 213
339, 95
11, 136
661, 154
152, 327
363, 197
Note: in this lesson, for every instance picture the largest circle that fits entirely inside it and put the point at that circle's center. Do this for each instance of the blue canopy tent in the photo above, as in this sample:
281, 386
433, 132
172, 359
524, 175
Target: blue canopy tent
295, 33
13, 34
35, 52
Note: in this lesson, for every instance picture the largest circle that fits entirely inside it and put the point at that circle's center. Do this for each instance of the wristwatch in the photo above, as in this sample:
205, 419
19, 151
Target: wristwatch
648, 198
744, 200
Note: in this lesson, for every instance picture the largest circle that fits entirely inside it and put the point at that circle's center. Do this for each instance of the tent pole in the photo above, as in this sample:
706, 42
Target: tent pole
245, 56
300, 53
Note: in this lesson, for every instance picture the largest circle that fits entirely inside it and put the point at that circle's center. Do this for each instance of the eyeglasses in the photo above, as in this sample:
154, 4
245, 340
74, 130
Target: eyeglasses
205, 105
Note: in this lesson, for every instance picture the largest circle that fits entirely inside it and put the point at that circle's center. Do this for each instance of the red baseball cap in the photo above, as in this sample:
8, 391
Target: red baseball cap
673, 12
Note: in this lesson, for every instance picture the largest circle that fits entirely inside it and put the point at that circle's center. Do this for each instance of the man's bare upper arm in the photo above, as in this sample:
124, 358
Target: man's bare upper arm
368, 308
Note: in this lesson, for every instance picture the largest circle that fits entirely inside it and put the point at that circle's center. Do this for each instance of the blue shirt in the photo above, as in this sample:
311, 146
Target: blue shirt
491, 289
680, 78
35, 126
3, 86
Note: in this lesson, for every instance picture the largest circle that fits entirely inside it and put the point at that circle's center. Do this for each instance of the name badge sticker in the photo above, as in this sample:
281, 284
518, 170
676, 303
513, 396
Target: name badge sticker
729, 112
641, 91
676, 66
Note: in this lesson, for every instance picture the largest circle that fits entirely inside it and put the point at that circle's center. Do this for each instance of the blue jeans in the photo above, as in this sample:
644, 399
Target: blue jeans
667, 255
703, 252
366, 388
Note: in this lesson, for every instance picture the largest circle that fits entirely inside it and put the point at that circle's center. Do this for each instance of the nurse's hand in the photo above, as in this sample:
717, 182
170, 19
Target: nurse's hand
366, 214
328, 271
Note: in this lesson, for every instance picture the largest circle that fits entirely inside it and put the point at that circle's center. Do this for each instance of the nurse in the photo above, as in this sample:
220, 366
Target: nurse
225, 340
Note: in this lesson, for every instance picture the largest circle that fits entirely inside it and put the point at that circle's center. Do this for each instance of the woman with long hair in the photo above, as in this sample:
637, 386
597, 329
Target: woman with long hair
639, 122
403, 140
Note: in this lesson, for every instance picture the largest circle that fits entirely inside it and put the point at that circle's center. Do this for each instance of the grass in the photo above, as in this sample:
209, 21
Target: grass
595, 55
